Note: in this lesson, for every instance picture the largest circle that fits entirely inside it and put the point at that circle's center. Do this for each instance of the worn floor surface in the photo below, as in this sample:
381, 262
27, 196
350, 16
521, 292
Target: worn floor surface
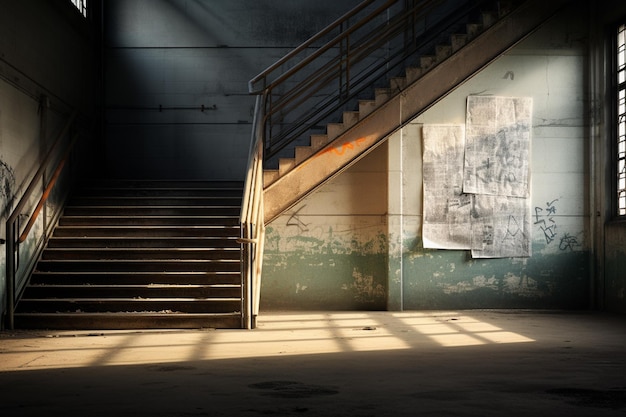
457, 363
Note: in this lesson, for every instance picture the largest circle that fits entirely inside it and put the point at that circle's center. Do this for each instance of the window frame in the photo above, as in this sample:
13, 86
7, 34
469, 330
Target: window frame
618, 75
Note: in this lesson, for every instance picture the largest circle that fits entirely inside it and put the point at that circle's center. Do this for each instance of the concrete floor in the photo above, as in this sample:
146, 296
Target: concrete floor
457, 363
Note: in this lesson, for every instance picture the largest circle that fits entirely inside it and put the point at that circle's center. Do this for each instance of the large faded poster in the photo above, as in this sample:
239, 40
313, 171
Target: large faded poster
477, 180
497, 146
446, 223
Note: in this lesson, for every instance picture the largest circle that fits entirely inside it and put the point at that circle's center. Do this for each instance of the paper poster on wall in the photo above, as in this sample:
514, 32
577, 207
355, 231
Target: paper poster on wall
446, 222
497, 146
501, 227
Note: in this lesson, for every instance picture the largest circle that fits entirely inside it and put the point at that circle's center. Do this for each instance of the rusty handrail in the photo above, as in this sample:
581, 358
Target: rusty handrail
12, 224
46, 192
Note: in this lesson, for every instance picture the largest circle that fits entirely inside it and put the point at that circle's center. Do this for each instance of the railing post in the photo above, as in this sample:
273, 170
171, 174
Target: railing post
10, 272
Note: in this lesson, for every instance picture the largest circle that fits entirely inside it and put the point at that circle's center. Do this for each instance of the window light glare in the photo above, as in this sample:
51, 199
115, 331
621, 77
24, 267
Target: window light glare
81, 5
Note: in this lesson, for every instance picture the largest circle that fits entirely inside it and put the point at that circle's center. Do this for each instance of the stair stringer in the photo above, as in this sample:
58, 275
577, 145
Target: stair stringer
354, 143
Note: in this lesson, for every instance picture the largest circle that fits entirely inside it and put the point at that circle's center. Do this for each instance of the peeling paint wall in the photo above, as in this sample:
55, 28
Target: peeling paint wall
549, 67
302, 269
330, 251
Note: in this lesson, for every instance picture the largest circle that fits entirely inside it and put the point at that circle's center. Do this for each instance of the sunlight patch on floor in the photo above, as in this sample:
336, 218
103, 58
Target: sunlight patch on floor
285, 334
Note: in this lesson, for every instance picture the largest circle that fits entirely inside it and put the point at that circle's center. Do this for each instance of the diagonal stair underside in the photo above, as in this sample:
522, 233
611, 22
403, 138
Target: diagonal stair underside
404, 104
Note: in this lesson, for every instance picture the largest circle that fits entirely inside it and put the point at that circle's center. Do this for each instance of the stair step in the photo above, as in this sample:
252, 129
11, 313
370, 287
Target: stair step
142, 242
269, 176
127, 320
333, 130
397, 84
161, 184
489, 18
147, 231
148, 201
473, 29
226, 193
147, 254
140, 265
318, 141
366, 107
442, 52
350, 118
135, 278
427, 62
285, 165
91, 305
148, 220
458, 41
133, 291
302, 153
382, 95
412, 74
231, 211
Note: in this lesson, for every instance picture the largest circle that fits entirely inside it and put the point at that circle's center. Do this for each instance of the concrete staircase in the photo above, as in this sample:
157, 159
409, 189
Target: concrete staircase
140, 254
360, 131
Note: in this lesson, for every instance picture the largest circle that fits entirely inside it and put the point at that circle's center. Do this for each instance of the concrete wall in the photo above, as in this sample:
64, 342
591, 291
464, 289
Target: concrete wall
362, 254
45, 50
185, 54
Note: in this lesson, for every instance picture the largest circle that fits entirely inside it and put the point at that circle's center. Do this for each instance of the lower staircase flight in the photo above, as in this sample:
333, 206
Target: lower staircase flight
139, 255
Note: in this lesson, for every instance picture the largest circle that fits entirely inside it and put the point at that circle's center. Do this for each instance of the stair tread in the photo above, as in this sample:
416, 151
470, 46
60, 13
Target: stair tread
137, 285
126, 299
139, 260
119, 313
140, 249
158, 273
144, 206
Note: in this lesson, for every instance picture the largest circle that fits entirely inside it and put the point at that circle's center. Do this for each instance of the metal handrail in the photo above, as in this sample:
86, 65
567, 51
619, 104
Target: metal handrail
14, 236
252, 225
372, 43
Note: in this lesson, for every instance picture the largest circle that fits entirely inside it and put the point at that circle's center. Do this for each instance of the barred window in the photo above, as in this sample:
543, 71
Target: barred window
81, 5
621, 119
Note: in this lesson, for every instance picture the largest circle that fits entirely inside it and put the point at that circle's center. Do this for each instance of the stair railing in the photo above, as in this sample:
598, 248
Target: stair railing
324, 76
14, 233
331, 71
252, 224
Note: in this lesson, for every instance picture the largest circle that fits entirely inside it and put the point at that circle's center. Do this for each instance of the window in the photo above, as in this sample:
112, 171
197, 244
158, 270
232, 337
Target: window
81, 5
621, 119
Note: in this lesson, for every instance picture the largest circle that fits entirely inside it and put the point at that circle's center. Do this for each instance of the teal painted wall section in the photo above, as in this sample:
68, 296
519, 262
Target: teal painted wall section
452, 280
329, 273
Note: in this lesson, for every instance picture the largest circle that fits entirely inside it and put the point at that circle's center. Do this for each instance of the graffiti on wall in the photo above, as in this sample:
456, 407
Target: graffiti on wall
7, 182
544, 218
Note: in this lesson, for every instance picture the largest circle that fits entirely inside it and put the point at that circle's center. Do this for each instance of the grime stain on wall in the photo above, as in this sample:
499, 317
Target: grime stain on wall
324, 269
451, 279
